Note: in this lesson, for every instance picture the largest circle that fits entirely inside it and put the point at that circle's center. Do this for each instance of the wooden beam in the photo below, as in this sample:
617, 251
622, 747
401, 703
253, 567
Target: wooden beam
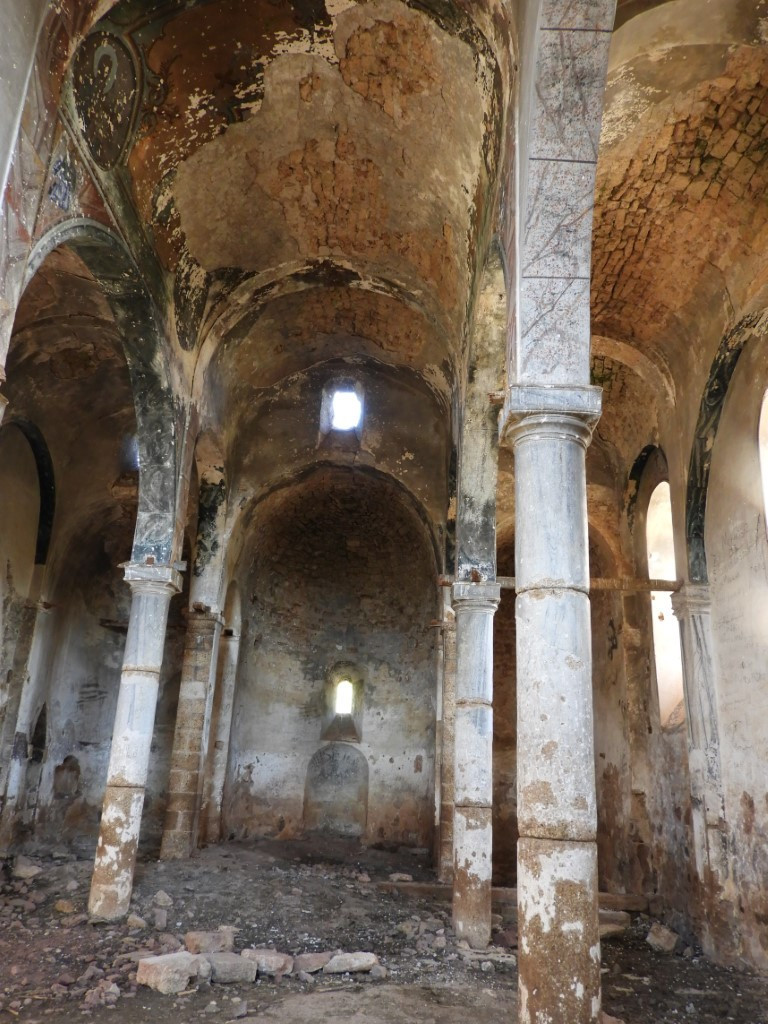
622, 584
505, 896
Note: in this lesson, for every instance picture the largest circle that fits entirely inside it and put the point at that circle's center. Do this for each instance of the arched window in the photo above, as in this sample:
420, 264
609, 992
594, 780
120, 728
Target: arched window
344, 692
666, 633
763, 443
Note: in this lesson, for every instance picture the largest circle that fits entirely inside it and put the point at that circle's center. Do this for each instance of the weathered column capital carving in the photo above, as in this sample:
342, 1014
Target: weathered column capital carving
540, 410
691, 599
146, 578
476, 596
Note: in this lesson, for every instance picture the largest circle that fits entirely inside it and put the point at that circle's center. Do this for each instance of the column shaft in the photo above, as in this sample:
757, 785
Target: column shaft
691, 605
447, 788
559, 962
474, 604
35, 668
190, 740
221, 730
152, 588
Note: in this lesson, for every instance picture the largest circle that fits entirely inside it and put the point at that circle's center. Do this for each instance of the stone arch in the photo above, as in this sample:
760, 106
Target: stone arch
707, 424
46, 481
157, 535
241, 511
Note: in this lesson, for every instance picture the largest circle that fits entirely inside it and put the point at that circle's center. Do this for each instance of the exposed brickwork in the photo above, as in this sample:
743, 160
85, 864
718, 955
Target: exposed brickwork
690, 195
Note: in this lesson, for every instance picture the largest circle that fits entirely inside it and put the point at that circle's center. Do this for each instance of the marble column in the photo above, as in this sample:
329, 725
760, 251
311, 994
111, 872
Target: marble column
152, 587
559, 947
474, 605
221, 730
190, 740
33, 661
692, 606
447, 788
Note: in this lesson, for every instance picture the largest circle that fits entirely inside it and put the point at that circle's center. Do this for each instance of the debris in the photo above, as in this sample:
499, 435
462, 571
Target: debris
172, 972
349, 963
662, 939
310, 962
269, 961
228, 968
220, 941
613, 923
24, 868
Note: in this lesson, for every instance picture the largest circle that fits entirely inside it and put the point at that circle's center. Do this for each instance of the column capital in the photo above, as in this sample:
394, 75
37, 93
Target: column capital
691, 599
141, 576
476, 595
539, 410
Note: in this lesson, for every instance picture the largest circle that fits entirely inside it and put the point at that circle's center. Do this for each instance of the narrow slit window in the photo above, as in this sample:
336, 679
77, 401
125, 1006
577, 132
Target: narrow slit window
346, 410
344, 692
666, 632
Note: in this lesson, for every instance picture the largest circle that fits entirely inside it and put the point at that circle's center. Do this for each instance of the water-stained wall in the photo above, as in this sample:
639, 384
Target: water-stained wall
340, 576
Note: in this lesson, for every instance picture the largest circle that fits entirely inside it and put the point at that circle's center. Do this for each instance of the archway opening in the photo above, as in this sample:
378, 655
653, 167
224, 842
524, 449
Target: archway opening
666, 634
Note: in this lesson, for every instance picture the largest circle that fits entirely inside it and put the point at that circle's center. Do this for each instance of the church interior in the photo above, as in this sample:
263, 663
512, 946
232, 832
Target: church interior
384, 458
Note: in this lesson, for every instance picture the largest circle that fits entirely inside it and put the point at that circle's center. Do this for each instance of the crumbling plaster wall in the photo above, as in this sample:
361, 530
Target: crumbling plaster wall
338, 569
737, 551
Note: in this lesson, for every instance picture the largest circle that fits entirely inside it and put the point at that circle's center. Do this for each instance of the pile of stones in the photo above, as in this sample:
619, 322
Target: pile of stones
209, 956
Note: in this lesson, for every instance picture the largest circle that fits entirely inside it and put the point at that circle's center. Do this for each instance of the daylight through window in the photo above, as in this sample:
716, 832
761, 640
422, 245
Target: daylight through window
346, 410
343, 698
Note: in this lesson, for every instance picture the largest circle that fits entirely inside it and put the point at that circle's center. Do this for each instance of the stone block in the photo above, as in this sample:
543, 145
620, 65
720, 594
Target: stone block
269, 961
172, 972
310, 962
221, 941
349, 963
231, 968
662, 939
24, 868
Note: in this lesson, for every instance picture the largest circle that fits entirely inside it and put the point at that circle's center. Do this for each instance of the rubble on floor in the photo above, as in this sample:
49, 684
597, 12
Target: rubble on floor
245, 929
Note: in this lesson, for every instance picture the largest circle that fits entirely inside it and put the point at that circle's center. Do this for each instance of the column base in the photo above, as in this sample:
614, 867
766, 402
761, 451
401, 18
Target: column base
473, 837
112, 878
559, 962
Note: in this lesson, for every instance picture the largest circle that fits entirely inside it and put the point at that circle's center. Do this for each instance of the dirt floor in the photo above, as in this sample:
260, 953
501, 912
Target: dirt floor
309, 897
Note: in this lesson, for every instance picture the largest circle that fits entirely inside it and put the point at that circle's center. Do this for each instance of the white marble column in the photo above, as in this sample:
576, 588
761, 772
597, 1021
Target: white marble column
692, 606
152, 588
447, 731
190, 739
35, 668
559, 960
474, 605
